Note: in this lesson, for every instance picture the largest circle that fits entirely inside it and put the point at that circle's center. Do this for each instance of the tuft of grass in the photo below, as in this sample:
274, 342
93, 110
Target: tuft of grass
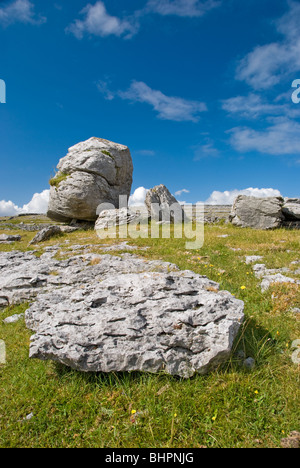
58, 179
107, 153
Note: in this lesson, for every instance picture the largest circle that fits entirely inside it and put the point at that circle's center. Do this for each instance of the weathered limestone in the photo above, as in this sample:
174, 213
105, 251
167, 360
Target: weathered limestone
49, 232
9, 238
272, 276
121, 313
162, 206
94, 172
291, 209
121, 217
152, 321
257, 213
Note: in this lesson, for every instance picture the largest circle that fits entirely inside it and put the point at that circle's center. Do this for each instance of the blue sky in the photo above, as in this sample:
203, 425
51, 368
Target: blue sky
200, 91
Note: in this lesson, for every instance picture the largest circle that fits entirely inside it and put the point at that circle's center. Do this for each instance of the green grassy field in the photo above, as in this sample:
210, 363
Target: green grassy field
232, 407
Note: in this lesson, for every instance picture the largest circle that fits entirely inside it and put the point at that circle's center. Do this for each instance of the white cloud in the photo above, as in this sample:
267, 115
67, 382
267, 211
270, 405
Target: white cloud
38, 204
251, 106
282, 137
8, 208
168, 108
138, 197
228, 197
185, 8
19, 11
265, 66
180, 192
98, 22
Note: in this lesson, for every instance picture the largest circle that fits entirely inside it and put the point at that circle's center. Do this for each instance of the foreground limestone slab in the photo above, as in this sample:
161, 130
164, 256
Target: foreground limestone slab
121, 313
153, 321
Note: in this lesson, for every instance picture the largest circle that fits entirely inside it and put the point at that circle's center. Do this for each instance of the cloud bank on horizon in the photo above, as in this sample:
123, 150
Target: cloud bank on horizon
37, 205
39, 202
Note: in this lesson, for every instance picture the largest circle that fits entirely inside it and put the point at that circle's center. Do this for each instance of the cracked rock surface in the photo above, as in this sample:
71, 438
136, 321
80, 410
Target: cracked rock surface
121, 313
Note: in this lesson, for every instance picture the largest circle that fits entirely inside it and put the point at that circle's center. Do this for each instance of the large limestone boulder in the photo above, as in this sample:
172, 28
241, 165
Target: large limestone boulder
163, 206
257, 213
93, 172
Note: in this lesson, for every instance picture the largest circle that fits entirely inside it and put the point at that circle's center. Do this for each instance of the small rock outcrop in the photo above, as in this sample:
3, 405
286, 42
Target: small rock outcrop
49, 232
112, 218
163, 206
94, 172
291, 209
9, 238
257, 213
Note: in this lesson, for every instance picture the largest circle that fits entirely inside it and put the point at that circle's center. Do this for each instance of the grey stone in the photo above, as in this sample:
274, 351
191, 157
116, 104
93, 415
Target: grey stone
13, 319
96, 172
121, 313
49, 232
291, 209
163, 206
249, 363
120, 217
257, 213
9, 238
152, 322
272, 276
46, 234
253, 258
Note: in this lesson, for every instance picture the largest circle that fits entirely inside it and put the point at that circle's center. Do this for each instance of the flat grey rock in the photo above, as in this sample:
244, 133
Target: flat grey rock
253, 258
272, 276
153, 321
121, 313
13, 318
9, 238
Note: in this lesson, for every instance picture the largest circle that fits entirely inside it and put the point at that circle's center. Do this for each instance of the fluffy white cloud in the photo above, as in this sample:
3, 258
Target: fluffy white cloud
266, 65
188, 8
167, 107
98, 22
228, 197
19, 11
38, 204
282, 137
138, 197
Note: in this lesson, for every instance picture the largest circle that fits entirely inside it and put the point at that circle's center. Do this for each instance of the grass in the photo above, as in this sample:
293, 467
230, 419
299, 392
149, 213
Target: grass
232, 407
58, 179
